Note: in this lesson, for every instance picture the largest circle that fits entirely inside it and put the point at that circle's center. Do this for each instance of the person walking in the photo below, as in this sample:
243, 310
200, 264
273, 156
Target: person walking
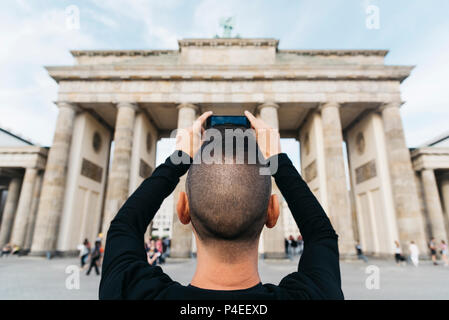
300, 244
168, 244
414, 253
433, 251
294, 246
360, 254
286, 246
289, 247
94, 258
160, 249
443, 248
6, 250
84, 249
152, 254
398, 257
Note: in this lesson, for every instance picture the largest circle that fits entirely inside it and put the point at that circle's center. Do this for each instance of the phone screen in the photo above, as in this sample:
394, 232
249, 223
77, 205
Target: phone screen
213, 121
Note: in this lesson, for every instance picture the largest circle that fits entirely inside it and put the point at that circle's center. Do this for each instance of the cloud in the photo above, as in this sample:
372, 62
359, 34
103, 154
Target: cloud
101, 18
426, 92
35, 35
156, 32
26, 90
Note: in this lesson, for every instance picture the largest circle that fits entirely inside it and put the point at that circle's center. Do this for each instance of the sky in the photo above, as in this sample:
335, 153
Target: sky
34, 34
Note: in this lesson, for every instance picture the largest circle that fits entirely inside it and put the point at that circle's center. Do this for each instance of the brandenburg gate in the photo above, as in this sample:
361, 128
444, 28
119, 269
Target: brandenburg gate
320, 97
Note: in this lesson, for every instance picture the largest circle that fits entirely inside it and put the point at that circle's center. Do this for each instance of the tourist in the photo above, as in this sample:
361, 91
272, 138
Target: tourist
414, 253
360, 254
286, 245
290, 247
165, 247
227, 232
94, 258
443, 248
152, 254
398, 257
433, 251
16, 250
84, 249
159, 245
300, 244
160, 249
294, 246
100, 261
6, 250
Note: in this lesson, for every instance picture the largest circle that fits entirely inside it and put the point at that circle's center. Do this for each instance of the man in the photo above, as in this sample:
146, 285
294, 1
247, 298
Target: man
95, 258
228, 205
360, 255
414, 253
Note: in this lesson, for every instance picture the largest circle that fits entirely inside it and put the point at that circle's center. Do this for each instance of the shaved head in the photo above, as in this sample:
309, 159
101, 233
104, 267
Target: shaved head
228, 202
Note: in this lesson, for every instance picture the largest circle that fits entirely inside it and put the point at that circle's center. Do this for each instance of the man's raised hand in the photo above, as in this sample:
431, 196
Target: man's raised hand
189, 139
268, 138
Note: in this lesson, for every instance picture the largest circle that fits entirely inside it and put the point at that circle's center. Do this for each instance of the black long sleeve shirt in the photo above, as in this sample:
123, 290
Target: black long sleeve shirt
126, 273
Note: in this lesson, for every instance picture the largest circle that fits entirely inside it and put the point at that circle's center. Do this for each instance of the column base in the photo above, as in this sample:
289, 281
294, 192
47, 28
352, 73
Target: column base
170, 260
54, 254
181, 255
274, 255
348, 257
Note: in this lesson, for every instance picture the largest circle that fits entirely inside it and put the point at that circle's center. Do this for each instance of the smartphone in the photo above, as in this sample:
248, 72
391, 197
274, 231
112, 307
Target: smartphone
240, 121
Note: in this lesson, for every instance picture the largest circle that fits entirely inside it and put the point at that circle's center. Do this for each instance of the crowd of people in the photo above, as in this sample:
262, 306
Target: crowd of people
90, 257
157, 250
413, 257
11, 249
293, 247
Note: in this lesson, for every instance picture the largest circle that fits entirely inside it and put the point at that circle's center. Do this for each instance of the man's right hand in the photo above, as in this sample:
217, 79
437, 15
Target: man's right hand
268, 138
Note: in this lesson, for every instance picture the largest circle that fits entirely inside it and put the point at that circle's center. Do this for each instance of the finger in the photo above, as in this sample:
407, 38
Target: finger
251, 118
204, 116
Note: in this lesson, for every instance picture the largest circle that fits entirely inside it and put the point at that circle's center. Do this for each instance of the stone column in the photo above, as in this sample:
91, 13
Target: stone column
33, 210
405, 193
8, 212
273, 238
444, 187
339, 210
433, 204
181, 243
118, 180
53, 189
23, 208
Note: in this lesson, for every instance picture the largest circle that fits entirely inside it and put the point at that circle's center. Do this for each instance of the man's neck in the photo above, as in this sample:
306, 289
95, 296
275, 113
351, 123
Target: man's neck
215, 273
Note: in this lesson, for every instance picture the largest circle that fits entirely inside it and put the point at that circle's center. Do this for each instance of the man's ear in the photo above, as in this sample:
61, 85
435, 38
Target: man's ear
182, 207
272, 211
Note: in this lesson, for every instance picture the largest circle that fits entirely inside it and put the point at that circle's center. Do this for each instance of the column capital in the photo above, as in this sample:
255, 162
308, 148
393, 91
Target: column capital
188, 105
327, 104
267, 104
390, 104
65, 104
426, 169
127, 104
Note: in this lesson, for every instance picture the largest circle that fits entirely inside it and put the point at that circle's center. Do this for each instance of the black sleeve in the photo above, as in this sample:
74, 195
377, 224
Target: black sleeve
318, 274
126, 273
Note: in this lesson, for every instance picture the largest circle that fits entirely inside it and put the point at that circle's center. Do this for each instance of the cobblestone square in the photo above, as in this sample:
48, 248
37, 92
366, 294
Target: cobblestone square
37, 278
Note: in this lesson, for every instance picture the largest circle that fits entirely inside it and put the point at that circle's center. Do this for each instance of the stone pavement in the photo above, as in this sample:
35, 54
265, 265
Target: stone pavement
37, 278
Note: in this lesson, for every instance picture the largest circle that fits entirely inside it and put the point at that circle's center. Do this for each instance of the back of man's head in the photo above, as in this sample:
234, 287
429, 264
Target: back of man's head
228, 202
